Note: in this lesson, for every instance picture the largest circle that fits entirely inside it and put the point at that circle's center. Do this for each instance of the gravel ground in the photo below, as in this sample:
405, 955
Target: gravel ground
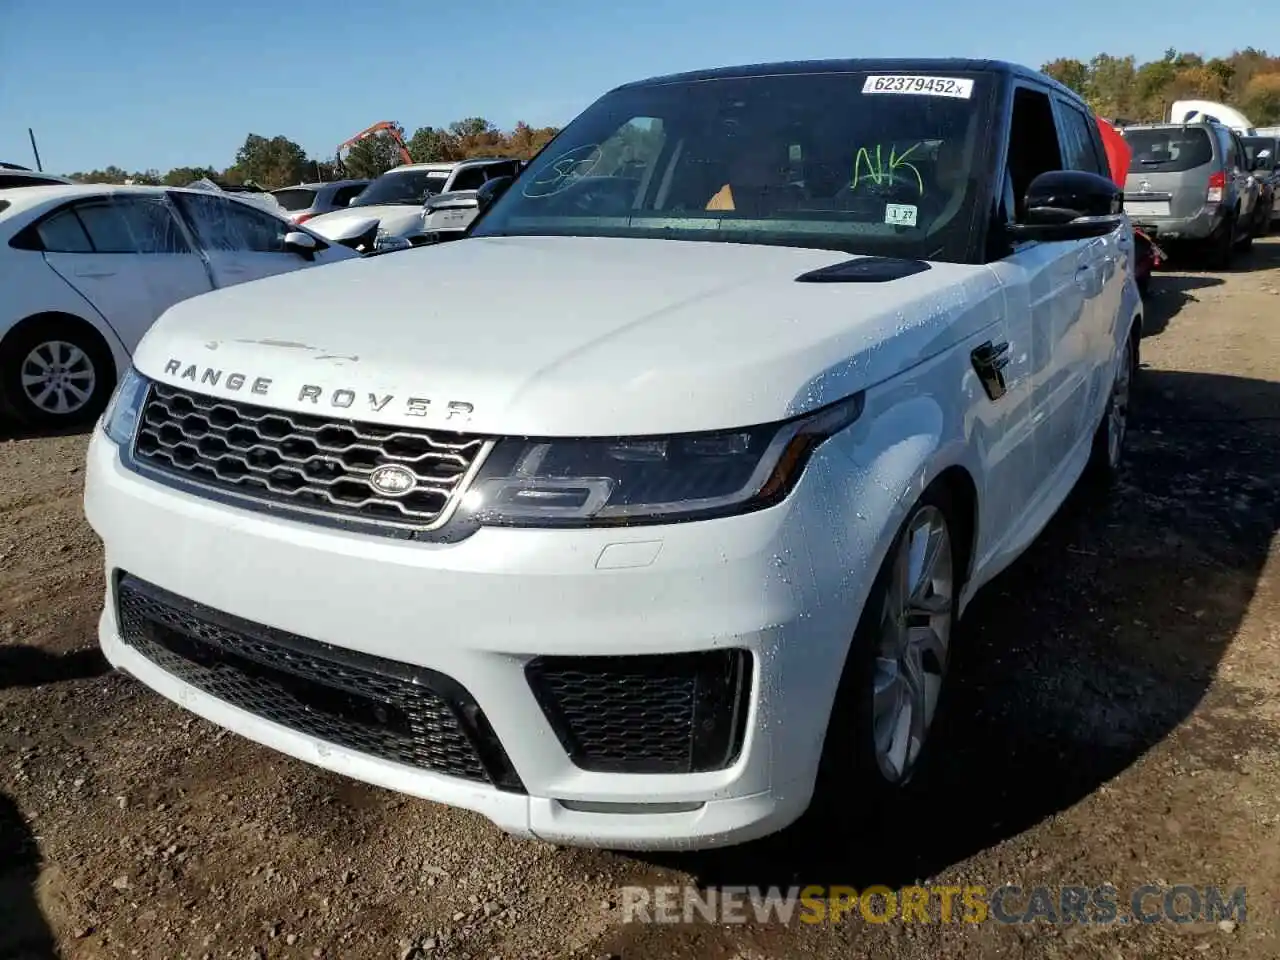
1112, 720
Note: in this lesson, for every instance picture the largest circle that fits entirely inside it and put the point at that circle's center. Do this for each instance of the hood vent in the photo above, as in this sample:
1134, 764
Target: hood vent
865, 270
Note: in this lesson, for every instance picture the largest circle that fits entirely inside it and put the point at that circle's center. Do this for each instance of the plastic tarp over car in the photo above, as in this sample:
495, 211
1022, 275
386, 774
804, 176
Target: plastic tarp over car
259, 199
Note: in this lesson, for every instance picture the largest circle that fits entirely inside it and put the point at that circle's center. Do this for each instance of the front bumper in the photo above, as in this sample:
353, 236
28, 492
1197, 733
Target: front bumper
774, 583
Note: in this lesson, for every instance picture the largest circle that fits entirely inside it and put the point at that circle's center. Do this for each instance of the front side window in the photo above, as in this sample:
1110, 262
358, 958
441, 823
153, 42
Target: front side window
1263, 148
407, 187
470, 178
1078, 146
844, 161
226, 225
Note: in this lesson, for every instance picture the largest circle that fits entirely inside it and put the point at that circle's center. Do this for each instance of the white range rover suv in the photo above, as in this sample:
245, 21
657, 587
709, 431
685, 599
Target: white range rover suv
647, 514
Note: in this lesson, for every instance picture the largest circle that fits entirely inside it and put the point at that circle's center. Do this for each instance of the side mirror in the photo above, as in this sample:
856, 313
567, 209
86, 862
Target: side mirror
352, 201
298, 242
1069, 205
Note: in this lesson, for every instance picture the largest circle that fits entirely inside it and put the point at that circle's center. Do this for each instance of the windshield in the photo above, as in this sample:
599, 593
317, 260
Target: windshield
1169, 150
1255, 145
409, 187
295, 198
846, 161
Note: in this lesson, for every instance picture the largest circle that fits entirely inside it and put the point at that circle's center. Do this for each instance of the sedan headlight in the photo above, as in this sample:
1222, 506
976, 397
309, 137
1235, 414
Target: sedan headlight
626, 481
120, 419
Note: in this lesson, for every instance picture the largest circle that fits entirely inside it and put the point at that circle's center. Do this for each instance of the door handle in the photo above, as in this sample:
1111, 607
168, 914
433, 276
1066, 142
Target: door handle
95, 274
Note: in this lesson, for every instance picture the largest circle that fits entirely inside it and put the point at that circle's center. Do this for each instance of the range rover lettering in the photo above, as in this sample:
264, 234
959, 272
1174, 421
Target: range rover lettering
650, 524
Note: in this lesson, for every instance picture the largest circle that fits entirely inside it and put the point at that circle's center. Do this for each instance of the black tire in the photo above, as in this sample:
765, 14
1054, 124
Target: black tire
1245, 243
16, 351
1105, 463
849, 767
1221, 246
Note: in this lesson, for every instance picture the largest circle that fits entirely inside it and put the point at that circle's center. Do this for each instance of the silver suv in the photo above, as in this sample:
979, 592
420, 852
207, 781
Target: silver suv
308, 200
1190, 183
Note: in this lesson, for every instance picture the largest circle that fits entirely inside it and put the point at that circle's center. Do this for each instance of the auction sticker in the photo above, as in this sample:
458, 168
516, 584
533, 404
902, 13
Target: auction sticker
959, 88
900, 214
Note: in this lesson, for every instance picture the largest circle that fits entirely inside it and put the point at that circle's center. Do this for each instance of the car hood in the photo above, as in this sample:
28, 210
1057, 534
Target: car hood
565, 336
396, 219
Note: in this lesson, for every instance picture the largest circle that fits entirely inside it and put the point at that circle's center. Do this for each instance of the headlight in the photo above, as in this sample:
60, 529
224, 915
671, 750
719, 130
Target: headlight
120, 419
625, 481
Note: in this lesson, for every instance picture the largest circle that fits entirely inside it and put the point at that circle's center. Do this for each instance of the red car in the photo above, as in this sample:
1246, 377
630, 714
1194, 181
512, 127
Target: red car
1147, 256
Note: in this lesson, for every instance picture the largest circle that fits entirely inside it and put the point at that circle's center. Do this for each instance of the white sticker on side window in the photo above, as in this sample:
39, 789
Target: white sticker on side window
900, 214
957, 87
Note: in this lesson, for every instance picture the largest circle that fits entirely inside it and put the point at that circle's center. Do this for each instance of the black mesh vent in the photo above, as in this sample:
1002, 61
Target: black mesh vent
379, 707
314, 465
676, 713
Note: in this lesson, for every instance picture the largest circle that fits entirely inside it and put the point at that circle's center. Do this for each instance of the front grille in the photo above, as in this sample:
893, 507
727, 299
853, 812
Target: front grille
379, 707
676, 713
315, 465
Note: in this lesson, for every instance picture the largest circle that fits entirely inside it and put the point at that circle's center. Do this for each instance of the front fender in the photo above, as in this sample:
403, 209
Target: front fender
895, 454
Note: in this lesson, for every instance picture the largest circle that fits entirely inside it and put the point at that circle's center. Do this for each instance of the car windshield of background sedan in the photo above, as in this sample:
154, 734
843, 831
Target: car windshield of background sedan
847, 161
408, 187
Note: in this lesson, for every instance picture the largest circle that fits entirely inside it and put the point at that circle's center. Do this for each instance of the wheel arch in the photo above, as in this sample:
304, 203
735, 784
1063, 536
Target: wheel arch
107, 338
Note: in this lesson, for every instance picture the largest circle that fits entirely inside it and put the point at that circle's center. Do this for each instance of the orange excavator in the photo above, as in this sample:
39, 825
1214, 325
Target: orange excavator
382, 125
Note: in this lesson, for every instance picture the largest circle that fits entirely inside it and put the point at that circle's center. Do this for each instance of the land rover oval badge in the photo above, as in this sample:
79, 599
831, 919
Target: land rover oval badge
392, 480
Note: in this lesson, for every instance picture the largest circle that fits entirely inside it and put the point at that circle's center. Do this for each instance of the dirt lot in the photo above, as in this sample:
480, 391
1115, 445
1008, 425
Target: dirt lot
1113, 720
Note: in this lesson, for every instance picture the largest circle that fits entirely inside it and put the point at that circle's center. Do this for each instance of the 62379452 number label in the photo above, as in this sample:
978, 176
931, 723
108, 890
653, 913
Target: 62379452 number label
959, 88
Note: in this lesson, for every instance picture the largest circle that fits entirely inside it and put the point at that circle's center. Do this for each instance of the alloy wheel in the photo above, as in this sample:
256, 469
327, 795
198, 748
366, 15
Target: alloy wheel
1118, 416
914, 640
58, 377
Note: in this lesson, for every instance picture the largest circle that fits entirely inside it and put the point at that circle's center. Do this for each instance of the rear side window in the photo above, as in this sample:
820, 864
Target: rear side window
131, 226
4, 205
295, 199
63, 233
1169, 151
343, 195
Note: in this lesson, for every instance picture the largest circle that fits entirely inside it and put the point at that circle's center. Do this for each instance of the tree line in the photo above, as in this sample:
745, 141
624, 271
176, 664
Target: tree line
271, 162
1117, 87
1121, 88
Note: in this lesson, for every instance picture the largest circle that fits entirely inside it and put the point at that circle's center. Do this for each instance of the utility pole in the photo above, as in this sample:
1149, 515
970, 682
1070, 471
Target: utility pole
34, 149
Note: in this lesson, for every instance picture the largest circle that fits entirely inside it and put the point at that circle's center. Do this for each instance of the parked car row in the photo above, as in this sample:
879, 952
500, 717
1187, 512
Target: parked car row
1199, 186
86, 270
397, 201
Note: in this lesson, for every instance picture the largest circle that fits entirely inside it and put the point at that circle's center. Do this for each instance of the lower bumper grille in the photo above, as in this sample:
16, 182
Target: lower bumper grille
677, 713
379, 707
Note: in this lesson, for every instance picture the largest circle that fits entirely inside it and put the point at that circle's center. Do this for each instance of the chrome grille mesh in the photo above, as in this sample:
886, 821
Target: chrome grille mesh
317, 465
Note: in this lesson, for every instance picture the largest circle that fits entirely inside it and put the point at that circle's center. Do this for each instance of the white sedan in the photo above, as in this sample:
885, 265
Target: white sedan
86, 270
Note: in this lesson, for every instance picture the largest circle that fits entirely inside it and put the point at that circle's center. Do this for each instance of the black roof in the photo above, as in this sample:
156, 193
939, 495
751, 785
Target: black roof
924, 65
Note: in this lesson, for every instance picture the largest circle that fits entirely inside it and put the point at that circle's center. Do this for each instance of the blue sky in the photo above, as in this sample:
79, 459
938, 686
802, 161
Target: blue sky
146, 83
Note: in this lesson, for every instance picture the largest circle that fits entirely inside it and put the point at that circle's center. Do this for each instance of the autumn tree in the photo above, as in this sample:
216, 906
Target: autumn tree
272, 163
374, 155
432, 145
1261, 99
1069, 73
